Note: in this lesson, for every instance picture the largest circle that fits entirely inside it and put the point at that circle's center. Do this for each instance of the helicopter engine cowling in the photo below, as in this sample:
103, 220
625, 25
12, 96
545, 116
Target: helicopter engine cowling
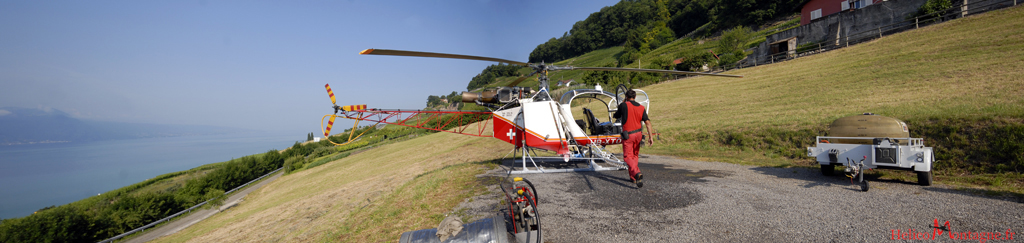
500, 95
489, 96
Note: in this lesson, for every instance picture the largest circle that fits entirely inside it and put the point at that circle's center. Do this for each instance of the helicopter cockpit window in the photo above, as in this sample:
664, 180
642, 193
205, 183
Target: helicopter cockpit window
595, 107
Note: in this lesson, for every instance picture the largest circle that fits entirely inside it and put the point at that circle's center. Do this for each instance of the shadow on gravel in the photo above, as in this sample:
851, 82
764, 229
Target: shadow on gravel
993, 194
664, 188
815, 178
621, 180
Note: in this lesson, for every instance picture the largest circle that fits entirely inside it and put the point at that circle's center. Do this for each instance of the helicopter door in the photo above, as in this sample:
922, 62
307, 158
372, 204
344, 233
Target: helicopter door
641, 97
620, 96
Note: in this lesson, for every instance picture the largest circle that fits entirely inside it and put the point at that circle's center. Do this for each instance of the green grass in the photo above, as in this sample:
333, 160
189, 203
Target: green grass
325, 159
417, 204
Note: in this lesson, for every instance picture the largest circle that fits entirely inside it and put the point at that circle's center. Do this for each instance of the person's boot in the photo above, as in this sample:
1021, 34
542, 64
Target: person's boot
639, 180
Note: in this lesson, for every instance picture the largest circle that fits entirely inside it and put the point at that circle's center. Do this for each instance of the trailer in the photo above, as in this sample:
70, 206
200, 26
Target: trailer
881, 153
869, 141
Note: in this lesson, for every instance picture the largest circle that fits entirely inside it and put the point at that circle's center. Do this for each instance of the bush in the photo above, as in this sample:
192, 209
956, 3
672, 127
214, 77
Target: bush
216, 197
730, 46
293, 163
327, 159
61, 224
605, 78
696, 61
983, 145
934, 8
321, 151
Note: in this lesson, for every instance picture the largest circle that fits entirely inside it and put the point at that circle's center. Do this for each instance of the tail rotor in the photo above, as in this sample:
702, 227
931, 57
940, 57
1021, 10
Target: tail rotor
330, 123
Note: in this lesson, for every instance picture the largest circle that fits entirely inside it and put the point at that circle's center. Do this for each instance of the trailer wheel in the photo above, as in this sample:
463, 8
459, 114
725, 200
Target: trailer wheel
828, 170
924, 178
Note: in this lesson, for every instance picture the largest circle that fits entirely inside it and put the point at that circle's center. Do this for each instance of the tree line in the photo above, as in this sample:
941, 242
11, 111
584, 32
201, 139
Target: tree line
644, 25
436, 101
491, 73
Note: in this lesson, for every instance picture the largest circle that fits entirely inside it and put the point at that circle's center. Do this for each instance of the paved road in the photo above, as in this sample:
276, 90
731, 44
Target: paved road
691, 201
186, 221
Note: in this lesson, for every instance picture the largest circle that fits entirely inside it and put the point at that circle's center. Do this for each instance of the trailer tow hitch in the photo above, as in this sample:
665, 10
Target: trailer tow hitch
856, 171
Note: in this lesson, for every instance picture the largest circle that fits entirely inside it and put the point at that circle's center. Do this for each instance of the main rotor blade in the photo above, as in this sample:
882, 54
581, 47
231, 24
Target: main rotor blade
652, 71
438, 55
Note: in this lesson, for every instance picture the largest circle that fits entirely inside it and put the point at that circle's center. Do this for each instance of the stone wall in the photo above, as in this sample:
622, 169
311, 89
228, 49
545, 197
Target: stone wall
849, 27
828, 30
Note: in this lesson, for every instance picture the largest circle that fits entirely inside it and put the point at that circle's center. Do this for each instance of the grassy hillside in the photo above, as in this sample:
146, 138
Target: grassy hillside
323, 202
943, 80
680, 48
689, 48
608, 57
965, 74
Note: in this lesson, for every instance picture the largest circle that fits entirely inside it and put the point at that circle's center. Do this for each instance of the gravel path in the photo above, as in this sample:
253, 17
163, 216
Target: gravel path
692, 201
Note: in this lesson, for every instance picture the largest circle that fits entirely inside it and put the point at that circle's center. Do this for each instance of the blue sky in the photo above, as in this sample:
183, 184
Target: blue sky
256, 64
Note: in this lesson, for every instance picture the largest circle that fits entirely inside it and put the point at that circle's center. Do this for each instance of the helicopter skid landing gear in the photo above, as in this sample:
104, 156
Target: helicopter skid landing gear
594, 154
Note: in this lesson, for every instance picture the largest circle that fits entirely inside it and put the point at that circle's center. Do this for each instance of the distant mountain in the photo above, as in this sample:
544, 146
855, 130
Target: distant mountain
27, 126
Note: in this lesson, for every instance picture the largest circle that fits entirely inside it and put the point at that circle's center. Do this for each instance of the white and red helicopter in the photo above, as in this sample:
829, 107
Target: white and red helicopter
522, 117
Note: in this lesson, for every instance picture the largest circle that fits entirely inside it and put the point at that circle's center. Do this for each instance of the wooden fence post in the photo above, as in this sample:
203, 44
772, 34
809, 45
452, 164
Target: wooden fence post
963, 9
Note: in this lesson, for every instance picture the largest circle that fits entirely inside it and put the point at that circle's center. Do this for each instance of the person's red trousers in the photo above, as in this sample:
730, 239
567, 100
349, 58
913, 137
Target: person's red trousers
631, 152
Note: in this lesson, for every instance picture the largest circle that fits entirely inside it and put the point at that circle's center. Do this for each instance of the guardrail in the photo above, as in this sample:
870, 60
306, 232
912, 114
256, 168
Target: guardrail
143, 228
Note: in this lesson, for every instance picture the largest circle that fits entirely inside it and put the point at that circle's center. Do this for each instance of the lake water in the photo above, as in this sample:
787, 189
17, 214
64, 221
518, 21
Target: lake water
39, 175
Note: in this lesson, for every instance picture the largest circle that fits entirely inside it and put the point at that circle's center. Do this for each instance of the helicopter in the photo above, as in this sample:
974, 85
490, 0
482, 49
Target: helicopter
525, 118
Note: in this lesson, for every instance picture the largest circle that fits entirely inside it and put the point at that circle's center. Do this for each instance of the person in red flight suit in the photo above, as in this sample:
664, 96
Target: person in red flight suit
632, 114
